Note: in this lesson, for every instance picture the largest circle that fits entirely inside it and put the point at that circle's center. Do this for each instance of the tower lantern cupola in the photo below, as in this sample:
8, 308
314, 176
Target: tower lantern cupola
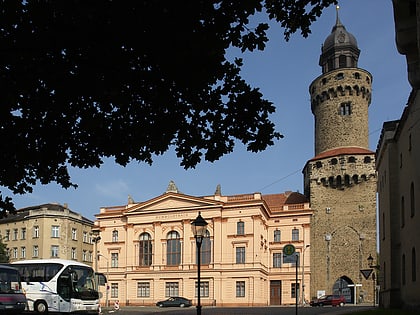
339, 50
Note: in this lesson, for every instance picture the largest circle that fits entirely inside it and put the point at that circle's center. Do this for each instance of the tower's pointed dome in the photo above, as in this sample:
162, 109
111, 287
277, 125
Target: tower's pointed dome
340, 49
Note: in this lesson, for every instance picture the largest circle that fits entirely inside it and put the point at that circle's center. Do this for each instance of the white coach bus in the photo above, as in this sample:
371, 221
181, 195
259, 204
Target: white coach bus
58, 285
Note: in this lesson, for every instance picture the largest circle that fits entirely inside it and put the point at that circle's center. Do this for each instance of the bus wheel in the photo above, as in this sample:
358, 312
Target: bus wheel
41, 307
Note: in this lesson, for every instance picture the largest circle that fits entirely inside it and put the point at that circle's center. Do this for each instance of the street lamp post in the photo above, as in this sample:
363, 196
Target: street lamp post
199, 228
95, 239
303, 274
377, 267
107, 279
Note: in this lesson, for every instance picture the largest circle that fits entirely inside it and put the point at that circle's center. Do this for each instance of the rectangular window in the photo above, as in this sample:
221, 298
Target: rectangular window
345, 109
35, 251
294, 290
276, 260
143, 289
115, 236
15, 234
73, 253
240, 288
36, 232
84, 255
171, 289
7, 236
204, 289
74, 234
277, 236
54, 251
23, 252
55, 231
240, 255
114, 260
295, 235
23, 234
240, 228
114, 290
15, 252
85, 237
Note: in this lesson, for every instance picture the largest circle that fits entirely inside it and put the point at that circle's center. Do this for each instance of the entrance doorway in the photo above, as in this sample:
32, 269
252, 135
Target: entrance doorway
341, 288
275, 292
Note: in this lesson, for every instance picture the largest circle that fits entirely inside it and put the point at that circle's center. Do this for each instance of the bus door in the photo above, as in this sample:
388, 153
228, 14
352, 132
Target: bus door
64, 291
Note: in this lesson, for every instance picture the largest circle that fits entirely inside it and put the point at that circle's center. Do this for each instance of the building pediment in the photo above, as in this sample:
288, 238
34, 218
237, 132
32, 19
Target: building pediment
173, 201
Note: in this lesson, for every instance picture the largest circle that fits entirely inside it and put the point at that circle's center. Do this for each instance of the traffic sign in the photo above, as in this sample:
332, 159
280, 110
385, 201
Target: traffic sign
366, 273
289, 249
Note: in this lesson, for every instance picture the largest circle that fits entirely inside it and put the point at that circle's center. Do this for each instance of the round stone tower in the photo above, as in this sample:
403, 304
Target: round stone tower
341, 95
340, 180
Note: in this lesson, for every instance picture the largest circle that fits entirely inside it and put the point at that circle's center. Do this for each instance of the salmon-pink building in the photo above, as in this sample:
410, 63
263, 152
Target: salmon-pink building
148, 250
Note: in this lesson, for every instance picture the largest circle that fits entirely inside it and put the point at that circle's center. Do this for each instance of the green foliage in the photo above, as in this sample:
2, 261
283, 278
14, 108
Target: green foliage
85, 80
4, 257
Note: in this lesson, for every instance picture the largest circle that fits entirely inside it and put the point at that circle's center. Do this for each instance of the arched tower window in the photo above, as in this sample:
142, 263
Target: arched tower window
342, 61
173, 249
145, 250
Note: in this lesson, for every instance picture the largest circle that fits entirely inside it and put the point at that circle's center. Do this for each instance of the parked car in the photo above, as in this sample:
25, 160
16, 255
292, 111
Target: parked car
177, 301
333, 300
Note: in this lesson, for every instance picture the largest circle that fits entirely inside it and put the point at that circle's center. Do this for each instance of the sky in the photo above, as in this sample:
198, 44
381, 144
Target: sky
283, 72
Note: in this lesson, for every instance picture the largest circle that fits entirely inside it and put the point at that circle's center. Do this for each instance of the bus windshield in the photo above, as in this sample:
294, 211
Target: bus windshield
77, 282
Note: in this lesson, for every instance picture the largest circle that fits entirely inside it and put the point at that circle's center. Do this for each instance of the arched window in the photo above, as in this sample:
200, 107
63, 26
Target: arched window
115, 236
173, 249
352, 159
145, 249
334, 161
277, 236
205, 252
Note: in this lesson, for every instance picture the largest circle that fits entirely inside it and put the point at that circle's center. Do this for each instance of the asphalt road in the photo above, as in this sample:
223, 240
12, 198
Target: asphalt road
348, 309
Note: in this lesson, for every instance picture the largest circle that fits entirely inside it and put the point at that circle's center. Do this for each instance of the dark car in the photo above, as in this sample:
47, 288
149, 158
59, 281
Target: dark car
177, 301
333, 300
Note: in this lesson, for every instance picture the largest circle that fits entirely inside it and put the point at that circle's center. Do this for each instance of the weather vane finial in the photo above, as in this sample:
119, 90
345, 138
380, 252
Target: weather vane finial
337, 7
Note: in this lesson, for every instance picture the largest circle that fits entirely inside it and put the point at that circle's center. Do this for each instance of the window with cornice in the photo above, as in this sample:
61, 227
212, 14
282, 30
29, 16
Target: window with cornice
115, 236
277, 236
240, 228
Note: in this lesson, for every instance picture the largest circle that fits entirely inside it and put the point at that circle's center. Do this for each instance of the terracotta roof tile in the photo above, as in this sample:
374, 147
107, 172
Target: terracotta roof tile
342, 151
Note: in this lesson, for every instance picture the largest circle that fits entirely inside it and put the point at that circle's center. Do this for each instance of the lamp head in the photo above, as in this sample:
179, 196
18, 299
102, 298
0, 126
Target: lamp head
199, 226
370, 260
